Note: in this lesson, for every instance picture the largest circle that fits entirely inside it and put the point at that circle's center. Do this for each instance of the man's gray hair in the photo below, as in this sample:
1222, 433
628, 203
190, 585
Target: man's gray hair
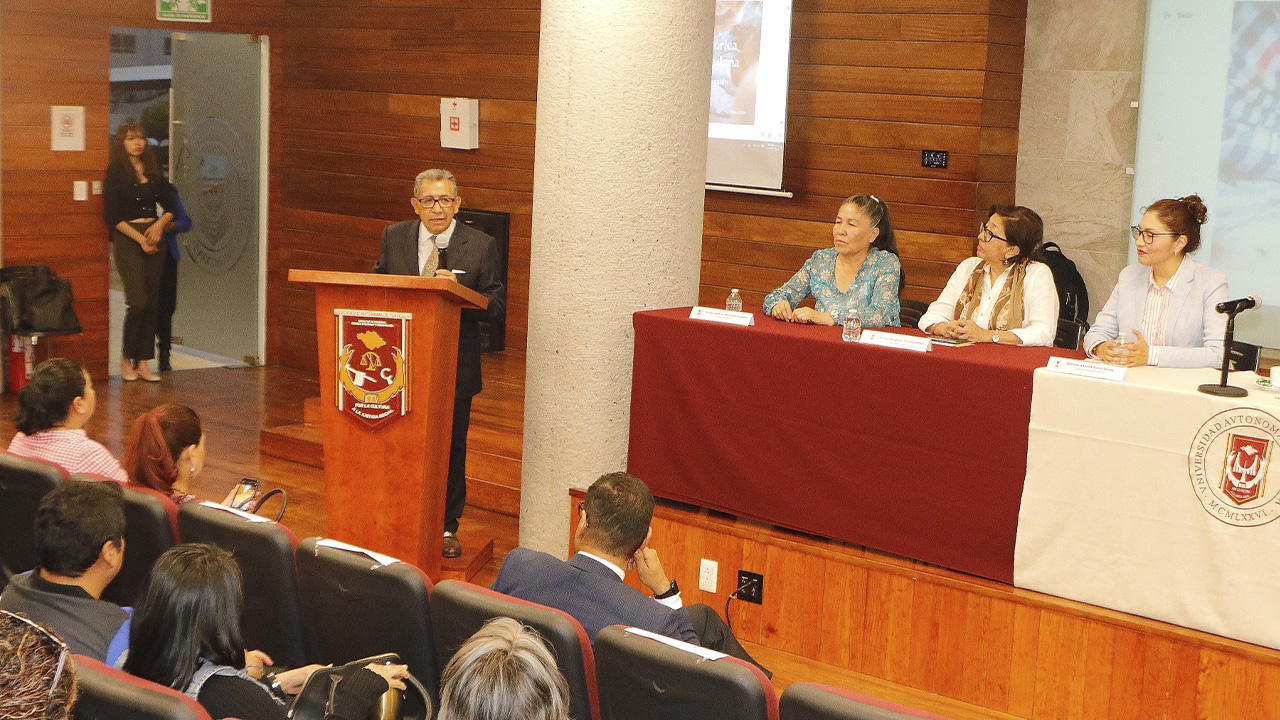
504, 672
433, 175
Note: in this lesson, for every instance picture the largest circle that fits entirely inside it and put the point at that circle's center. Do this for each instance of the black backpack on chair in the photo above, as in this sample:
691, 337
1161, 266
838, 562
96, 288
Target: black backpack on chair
1073, 296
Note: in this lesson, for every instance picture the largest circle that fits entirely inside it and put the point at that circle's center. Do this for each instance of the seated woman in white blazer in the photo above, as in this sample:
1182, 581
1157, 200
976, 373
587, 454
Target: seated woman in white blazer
1167, 300
999, 296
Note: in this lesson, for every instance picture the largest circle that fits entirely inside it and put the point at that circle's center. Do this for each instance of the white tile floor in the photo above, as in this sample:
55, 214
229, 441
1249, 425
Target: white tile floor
181, 358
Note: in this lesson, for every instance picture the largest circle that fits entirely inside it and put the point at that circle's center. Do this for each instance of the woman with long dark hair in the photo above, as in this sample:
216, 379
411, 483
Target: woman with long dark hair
186, 635
860, 273
134, 186
53, 408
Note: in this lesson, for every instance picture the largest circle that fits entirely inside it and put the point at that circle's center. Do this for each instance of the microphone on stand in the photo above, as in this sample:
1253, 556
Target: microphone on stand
1230, 308
1235, 306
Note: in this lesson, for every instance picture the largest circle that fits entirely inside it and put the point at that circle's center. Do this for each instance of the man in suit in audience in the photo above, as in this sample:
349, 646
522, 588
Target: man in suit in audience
437, 245
612, 537
79, 538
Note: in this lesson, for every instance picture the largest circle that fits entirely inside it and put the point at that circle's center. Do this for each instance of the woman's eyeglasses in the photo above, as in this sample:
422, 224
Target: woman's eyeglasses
984, 233
1146, 237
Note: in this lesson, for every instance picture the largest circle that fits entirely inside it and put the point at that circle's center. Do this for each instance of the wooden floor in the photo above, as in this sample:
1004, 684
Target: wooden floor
236, 404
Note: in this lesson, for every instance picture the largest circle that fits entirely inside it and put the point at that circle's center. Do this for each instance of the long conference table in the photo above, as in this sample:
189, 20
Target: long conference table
917, 454
1141, 495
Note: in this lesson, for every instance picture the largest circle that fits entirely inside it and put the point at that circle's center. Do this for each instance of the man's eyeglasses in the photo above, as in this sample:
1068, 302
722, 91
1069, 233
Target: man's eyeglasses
984, 233
62, 656
430, 202
582, 510
1146, 237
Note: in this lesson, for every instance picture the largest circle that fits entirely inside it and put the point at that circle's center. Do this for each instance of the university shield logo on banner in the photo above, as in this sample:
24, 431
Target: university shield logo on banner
1245, 470
373, 365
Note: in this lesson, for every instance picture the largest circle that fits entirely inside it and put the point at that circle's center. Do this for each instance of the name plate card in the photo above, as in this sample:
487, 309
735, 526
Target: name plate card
894, 340
1086, 368
745, 319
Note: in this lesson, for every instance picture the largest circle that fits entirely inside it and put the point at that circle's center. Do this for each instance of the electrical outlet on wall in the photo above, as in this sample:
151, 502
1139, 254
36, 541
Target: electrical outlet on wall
708, 572
933, 158
751, 587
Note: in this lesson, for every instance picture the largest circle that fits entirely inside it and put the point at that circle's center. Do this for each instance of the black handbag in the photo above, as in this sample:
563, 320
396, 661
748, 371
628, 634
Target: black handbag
313, 701
36, 300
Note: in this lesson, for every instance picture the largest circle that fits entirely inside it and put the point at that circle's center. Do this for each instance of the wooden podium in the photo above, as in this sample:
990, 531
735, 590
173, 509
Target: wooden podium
388, 360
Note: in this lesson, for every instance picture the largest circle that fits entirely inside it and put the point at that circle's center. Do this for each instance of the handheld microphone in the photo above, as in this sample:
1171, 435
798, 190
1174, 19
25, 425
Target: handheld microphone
1235, 306
443, 253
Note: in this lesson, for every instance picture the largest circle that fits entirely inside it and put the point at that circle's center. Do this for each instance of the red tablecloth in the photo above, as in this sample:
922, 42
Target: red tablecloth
917, 454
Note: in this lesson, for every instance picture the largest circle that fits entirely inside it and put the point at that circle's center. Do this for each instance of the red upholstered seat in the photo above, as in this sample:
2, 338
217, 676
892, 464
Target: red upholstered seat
23, 482
109, 694
809, 701
340, 588
459, 609
641, 677
272, 620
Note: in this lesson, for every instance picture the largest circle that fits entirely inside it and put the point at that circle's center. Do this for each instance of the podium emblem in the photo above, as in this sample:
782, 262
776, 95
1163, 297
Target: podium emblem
373, 365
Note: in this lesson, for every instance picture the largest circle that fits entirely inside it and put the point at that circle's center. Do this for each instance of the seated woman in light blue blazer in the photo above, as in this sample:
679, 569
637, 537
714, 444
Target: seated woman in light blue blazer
1167, 301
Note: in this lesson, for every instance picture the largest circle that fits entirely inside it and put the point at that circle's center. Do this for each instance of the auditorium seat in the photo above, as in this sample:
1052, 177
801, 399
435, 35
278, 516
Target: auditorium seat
151, 522
459, 609
357, 607
808, 701
23, 483
909, 312
641, 677
109, 694
272, 620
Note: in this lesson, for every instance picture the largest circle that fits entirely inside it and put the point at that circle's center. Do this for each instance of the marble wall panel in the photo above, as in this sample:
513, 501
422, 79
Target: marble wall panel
1085, 34
1101, 124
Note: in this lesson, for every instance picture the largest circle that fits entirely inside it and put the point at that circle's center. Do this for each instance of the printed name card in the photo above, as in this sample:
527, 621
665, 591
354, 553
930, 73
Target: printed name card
894, 340
745, 319
1087, 368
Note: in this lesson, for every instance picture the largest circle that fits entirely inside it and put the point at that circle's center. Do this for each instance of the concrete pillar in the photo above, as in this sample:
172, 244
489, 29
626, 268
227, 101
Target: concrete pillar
619, 167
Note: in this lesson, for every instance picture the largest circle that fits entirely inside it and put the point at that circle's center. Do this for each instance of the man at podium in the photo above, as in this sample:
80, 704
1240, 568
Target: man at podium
437, 245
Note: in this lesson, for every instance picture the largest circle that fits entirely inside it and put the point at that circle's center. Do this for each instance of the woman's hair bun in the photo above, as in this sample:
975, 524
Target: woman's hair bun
1196, 207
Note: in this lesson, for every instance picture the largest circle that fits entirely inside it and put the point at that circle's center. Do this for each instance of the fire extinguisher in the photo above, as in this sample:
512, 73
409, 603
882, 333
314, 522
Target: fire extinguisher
20, 357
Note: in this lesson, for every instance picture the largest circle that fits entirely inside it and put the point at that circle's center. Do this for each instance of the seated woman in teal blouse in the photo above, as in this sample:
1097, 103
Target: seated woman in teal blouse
859, 274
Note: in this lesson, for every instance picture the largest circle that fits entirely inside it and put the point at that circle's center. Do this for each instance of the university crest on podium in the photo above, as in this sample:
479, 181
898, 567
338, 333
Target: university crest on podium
373, 365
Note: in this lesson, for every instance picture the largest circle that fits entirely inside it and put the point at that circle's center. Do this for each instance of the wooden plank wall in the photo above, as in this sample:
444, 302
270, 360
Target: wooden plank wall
873, 82
355, 88
1015, 651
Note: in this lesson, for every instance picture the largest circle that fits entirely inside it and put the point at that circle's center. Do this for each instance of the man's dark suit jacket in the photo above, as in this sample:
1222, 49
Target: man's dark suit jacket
471, 251
590, 592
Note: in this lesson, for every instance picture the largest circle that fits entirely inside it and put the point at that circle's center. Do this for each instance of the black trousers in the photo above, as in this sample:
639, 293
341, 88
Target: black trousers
167, 302
455, 497
141, 274
714, 634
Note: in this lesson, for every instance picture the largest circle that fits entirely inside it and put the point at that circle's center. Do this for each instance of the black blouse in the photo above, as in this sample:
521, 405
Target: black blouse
123, 200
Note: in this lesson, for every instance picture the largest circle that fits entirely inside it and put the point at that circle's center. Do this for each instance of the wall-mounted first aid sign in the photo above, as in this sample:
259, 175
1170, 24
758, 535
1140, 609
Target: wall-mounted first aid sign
66, 128
460, 123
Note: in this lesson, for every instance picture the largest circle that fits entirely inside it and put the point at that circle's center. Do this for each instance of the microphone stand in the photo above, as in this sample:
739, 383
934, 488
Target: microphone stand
1222, 389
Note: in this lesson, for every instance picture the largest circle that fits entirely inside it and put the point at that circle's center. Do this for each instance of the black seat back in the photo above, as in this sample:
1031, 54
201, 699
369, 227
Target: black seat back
641, 677
339, 587
909, 312
149, 519
23, 483
807, 701
272, 620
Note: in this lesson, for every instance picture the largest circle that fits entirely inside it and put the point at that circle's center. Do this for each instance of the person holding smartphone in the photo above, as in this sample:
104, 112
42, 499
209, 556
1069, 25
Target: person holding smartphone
165, 452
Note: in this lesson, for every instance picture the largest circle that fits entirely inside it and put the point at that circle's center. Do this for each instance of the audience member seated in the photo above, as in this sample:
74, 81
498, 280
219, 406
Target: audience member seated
79, 538
53, 409
186, 635
1167, 301
37, 677
1000, 295
504, 672
165, 452
612, 534
860, 274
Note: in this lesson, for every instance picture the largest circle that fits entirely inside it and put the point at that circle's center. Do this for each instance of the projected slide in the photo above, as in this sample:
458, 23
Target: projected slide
750, 52
1209, 123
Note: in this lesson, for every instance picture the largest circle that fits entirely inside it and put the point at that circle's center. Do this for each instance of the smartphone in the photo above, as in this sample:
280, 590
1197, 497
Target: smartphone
246, 491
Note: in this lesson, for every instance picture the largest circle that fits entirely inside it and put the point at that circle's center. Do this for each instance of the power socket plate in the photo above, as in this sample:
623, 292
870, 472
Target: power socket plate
751, 587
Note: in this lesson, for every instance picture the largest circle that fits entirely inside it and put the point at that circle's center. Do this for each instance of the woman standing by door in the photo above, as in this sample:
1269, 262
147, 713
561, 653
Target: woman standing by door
135, 200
